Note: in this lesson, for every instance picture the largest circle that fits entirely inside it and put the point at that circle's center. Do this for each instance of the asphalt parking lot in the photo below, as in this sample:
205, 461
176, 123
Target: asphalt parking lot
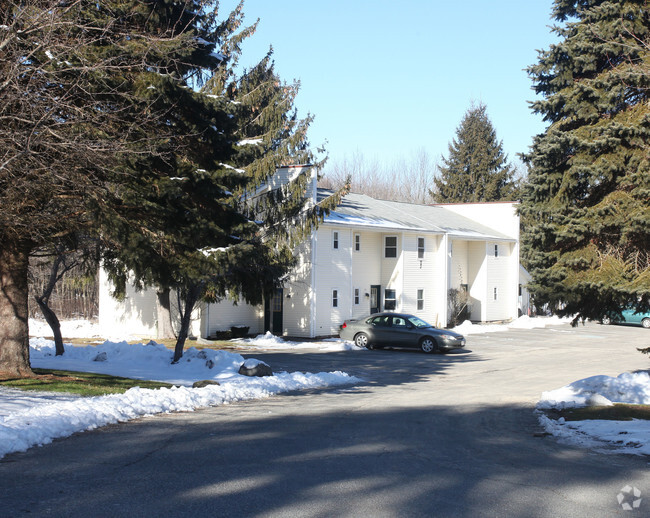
422, 435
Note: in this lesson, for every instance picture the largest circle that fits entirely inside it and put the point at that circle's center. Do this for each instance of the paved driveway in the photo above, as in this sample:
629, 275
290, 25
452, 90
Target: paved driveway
450, 435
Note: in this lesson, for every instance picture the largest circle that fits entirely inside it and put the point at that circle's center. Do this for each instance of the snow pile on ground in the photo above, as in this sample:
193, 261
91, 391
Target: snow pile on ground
523, 322
34, 419
270, 341
626, 436
629, 387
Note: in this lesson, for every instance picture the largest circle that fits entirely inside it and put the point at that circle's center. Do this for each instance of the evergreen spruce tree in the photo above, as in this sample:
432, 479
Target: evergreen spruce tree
586, 213
476, 169
211, 231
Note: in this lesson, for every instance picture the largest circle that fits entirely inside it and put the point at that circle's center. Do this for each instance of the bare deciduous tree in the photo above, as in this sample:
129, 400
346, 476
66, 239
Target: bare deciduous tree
75, 101
406, 179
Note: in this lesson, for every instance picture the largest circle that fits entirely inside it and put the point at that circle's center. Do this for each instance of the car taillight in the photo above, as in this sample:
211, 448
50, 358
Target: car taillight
344, 325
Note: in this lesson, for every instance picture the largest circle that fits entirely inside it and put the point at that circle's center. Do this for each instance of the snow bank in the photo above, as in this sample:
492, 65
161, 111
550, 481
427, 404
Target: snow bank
270, 341
29, 419
629, 387
603, 435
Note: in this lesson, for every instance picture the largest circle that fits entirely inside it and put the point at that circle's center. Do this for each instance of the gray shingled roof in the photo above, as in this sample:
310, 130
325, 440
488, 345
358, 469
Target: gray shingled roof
365, 212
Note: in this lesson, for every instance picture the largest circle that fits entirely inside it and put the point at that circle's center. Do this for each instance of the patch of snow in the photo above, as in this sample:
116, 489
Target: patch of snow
249, 142
603, 435
629, 387
345, 219
269, 341
523, 322
233, 168
28, 418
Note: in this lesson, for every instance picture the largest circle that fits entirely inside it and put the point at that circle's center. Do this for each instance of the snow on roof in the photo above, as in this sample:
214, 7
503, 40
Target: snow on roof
364, 211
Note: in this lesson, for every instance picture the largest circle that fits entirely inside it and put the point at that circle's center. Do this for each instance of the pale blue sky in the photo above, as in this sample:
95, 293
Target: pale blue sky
388, 78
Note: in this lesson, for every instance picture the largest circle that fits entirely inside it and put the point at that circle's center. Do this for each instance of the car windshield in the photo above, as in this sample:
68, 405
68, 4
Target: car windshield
418, 322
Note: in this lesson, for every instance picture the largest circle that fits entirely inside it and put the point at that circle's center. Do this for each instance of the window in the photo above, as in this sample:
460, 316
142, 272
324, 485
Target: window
390, 246
335, 298
379, 321
420, 300
496, 293
357, 242
420, 248
496, 250
277, 301
390, 299
399, 322
335, 240
357, 296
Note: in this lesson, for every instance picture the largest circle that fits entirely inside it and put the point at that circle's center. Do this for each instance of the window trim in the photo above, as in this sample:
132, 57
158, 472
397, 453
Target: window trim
386, 256
357, 243
421, 250
336, 239
388, 299
356, 296
419, 302
335, 297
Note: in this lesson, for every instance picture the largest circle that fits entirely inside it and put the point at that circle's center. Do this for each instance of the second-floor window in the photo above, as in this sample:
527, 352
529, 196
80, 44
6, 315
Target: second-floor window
390, 246
420, 248
335, 298
357, 296
357, 242
335, 240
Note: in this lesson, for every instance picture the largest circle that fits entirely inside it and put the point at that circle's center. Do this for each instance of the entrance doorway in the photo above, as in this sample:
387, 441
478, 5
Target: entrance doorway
273, 318
375, 299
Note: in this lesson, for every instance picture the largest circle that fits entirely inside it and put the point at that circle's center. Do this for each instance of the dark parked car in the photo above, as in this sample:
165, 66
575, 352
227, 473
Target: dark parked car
399, 330
629, 316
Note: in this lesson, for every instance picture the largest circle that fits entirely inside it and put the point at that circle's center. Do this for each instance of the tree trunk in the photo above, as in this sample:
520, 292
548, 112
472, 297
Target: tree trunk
192, 296
14, 327
165, 329
44, 303
53, 322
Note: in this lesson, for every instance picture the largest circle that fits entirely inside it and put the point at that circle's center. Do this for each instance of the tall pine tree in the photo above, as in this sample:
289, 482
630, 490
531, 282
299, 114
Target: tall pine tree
586, 210
477, 169
220, 232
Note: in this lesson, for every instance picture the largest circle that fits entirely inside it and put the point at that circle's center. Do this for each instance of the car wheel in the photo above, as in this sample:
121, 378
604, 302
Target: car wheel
428, 345
361, 340
606, 320
646, 323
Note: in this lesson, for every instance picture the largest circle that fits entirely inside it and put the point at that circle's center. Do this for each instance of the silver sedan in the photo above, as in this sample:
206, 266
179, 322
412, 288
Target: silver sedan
399, 330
